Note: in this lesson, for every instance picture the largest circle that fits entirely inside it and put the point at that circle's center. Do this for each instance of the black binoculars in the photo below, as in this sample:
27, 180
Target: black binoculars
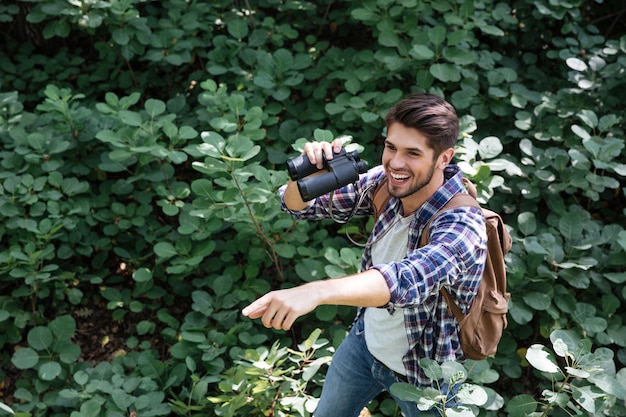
343, 169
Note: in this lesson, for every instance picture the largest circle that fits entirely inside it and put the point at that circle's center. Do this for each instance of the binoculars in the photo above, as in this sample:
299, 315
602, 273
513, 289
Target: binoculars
343, 169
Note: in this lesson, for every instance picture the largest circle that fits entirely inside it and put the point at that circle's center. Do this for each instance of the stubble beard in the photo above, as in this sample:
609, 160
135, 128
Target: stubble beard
396, 192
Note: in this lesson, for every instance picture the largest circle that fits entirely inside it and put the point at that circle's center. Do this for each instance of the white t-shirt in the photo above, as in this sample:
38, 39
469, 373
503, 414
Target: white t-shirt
385, 333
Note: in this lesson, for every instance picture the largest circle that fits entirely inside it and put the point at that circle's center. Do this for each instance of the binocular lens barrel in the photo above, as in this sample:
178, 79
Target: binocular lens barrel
317, 185
300, 167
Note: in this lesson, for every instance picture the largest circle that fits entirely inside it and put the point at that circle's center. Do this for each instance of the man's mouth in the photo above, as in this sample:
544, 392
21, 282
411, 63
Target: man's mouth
398, 178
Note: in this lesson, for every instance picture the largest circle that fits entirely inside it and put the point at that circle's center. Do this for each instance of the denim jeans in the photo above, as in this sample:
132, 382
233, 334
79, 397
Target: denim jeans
355, 377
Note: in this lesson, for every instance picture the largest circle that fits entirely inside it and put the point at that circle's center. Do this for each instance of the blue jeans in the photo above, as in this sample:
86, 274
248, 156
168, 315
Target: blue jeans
355, 377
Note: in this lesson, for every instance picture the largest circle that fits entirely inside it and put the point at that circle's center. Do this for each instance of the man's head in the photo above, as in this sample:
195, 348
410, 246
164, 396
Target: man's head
421, 134
431, 115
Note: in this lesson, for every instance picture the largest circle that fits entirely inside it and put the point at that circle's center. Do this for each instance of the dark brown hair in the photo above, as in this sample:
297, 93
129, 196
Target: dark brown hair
431, 115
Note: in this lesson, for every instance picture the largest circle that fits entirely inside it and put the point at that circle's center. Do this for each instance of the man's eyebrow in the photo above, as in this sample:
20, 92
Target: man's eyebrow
419, 150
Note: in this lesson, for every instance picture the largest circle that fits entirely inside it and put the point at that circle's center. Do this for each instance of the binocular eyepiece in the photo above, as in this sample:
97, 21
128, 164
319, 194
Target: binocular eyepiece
343, 169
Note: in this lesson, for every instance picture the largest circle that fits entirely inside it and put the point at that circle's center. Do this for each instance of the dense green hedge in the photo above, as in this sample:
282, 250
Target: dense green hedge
143, 144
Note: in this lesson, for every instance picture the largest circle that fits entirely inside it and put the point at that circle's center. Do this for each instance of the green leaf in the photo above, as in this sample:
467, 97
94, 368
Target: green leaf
352, 85
6, 408
68, 352
369, 117
321, 135
527, 223
521, 406
222, 285
238, 29
437, 35
363, 14
453, 372
165, 250
609, 384
406, 392
472, 394
72, 187
4, 315
143, 274
571, 225
616, 277
40, 338
283, 60
90, 408
121, 35
491, 30
25, 358
187, 132
243, 149
538, 300
445, 72
589, 118
63, 328
388, 38
421, 52
576, 64
541, 359
49, 371
145, 327
130, 118
154, 107
490, 147
213, 145
432, 369
334, 108
202, 302
459, 56
313, 368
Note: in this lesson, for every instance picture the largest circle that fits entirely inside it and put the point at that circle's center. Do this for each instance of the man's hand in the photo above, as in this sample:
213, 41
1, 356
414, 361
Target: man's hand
316, 152
280, 309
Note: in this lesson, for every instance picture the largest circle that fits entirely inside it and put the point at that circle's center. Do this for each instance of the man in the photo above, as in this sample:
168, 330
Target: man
402, 316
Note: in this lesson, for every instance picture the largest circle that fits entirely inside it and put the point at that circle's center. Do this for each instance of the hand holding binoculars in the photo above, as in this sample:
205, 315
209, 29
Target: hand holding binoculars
343, 169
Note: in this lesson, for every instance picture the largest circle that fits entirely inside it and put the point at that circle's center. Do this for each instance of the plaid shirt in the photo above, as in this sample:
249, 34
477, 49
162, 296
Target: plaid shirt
454, 257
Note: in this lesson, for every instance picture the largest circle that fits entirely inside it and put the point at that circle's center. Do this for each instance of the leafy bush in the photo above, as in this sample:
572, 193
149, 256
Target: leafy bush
143, 145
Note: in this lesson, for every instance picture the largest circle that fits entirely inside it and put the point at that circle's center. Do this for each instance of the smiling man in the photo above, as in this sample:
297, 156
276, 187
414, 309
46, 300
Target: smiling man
402, 317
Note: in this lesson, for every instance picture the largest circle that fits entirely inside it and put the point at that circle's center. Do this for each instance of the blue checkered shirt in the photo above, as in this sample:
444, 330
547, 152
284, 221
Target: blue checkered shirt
454, 257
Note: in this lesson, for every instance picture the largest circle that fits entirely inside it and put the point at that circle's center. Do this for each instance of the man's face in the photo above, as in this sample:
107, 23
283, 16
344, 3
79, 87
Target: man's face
409, 162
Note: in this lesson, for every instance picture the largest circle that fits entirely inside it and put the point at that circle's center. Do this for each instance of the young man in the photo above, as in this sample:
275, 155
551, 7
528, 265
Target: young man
402, 316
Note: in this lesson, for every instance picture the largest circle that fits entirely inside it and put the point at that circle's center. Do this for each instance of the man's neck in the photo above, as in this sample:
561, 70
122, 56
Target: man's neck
416, 200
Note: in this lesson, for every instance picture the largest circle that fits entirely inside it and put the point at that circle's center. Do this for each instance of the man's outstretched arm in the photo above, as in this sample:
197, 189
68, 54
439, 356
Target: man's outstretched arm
280, 309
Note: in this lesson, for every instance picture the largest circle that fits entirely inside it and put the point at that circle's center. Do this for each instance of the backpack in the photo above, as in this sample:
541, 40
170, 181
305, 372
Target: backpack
481, 328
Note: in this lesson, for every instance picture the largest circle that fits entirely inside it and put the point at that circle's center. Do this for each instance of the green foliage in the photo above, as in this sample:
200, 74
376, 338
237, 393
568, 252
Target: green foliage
143, 144
272, 380
587, 381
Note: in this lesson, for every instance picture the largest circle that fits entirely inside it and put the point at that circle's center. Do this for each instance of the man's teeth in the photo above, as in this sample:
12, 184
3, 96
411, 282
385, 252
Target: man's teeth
399, 177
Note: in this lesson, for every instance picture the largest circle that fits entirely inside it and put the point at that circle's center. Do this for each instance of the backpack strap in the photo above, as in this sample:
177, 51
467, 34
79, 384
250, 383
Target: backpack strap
380, 198
458, 200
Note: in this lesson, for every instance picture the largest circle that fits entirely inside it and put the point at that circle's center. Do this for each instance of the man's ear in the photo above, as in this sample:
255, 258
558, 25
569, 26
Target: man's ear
446, 158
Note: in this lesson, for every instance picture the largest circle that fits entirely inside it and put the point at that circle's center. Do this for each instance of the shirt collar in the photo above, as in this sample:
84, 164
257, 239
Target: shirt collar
453, 184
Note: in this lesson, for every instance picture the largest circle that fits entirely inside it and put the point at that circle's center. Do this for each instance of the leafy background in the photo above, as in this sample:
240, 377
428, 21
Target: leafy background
143, 144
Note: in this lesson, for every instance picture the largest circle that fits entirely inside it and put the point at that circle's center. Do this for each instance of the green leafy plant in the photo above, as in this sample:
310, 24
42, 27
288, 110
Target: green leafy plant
580, 379
465, 401
586, 381
274, 380
143, 145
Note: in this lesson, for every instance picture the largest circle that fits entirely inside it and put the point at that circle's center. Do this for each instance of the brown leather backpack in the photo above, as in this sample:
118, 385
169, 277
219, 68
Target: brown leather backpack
481, 328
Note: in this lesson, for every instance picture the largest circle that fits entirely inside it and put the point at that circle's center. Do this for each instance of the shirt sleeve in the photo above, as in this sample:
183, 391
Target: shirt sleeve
454, 257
